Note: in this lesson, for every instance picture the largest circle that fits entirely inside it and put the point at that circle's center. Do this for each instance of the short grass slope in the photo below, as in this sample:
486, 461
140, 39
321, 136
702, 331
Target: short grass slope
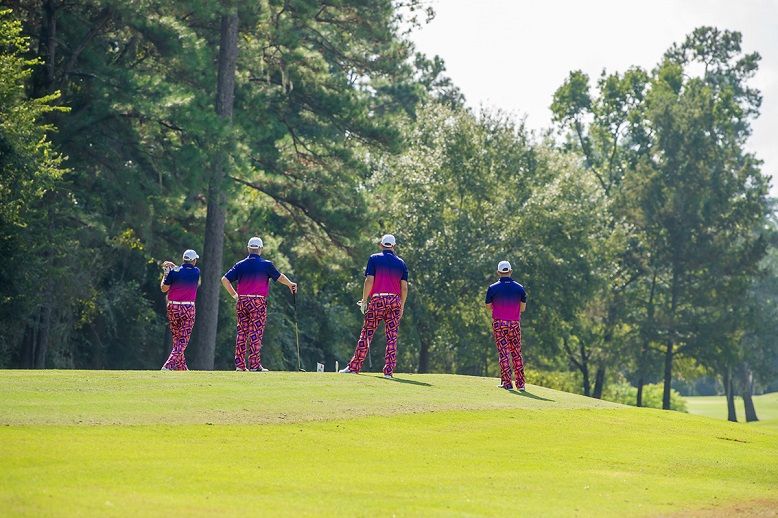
203, 444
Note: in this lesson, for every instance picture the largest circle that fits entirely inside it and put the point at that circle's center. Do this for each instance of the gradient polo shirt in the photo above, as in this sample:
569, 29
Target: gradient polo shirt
253, 275
183, 283
388, 270
506, 296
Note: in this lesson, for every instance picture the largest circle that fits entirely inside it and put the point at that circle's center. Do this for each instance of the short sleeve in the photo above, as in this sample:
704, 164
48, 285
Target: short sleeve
523, 295
405, 273
489, 295
170, 277
272, 271
233, 273
370, 269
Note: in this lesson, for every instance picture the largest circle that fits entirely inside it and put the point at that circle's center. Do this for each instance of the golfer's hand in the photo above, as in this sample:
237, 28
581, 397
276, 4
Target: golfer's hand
362, 306
235, 296
293, 288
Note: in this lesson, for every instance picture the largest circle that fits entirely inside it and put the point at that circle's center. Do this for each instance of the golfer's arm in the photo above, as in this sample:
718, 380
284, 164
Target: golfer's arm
367, 287
164, 287
285, 280
403, 292
523, 306
228, 286
489, 306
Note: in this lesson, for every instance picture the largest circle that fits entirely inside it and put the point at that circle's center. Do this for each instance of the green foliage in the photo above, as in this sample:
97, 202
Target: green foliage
626, 394
685, 205
341, 132
30, 176
566, 381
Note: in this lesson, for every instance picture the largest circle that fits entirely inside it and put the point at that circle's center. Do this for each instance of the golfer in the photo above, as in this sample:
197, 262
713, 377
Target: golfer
383, 298
253, 275
507, 300
180, 283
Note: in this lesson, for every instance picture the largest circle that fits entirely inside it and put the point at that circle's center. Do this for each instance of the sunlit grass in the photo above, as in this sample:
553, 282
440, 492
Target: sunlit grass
139, 443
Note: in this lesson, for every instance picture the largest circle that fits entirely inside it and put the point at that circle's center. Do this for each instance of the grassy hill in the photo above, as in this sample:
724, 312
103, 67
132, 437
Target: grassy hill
716, 406
202, 443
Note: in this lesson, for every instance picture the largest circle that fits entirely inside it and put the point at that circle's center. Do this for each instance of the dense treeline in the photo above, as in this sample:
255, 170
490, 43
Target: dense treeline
132, 130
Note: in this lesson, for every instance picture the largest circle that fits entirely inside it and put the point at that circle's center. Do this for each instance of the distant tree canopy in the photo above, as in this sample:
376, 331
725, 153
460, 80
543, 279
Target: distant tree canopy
133, 130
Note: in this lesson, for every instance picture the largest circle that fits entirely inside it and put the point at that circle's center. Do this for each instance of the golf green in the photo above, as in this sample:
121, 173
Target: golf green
202, 443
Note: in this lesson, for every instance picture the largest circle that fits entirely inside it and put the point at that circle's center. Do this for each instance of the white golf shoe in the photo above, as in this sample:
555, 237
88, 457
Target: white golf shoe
346, 370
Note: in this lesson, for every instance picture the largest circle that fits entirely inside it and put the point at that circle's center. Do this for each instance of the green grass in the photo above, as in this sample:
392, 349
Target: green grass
151, 443
716, 406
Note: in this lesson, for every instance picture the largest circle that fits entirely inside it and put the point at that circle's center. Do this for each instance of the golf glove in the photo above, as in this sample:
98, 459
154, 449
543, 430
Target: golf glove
362, 306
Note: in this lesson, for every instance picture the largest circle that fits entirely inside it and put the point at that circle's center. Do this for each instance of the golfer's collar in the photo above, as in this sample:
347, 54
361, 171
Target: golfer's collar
388, 252
187, 265
506, 279
253, 255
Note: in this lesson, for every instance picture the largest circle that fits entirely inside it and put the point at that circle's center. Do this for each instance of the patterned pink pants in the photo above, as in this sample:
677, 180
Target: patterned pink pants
388, 309
252, 314
507, 337
181, 318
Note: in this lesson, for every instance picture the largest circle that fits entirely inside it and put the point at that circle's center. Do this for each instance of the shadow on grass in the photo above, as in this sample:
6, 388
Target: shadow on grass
530, 395
410, 382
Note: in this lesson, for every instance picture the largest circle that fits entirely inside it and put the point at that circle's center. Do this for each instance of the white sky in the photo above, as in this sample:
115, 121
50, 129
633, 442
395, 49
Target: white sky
513, 54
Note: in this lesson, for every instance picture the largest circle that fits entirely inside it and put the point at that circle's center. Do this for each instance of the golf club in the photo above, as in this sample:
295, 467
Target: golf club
297, 333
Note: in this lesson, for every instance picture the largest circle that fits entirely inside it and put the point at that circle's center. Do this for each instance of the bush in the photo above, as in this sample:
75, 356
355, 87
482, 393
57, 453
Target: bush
626, 394
557, 380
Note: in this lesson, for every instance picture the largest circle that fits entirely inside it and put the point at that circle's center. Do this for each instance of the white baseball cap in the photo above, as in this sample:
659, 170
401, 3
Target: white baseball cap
255, 242
504, 267
388, 240
190, 255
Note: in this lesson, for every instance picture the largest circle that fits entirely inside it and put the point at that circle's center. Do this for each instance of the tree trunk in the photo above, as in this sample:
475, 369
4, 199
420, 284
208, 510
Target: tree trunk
642, 372
51, 40
43, 77
731, 413
748, 403
668, 378
425, 335
646, 342
424, 354
639, 399
599, 382
587, 387
213, 247
31, 342
43, 337
748, 391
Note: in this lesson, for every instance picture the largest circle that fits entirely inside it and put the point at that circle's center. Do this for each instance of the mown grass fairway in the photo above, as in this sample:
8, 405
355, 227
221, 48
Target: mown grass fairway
716, 406
201, 443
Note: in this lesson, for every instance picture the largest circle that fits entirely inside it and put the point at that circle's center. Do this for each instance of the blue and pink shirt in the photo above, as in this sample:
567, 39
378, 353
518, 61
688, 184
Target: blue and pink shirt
506, 296
183, 282
388, 270
253, 275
